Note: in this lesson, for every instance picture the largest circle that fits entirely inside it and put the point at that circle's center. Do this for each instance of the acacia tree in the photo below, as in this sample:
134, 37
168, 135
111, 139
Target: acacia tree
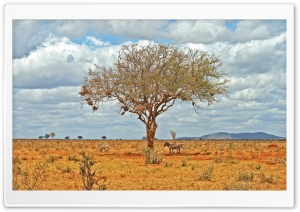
52, 134
147, 80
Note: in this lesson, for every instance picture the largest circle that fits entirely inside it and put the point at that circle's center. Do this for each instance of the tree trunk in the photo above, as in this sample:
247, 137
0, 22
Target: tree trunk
151, 127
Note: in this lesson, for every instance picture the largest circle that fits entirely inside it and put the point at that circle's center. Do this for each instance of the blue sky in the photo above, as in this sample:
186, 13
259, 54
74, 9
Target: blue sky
51, 57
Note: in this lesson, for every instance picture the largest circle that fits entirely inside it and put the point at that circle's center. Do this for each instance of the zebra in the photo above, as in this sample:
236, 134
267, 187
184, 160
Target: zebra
173, 146
103, 147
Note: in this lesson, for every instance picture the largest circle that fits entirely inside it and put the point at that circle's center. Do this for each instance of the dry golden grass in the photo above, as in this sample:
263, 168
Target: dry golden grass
202, 165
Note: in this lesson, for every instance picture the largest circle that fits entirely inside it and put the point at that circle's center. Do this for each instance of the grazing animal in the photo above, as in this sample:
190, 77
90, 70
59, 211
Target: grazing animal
173, 146
104, 147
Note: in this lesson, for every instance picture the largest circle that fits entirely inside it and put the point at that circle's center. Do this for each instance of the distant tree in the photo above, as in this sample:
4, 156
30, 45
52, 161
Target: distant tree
52, 134
173, 134
103, 137
47, 136
80, 137
67, 137
41, 137
147, 80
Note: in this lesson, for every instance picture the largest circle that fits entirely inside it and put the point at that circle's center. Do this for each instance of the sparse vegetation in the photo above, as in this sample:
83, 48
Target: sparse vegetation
29, 179
126, 167
206, 174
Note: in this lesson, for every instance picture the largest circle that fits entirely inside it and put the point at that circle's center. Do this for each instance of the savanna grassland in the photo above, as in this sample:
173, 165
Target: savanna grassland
202, 165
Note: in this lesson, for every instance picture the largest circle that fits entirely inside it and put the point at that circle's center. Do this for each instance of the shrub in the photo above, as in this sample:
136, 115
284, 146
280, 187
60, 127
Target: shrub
73, 158
258, 167
241, 186
218, 159
152, 156
167, 164
267, 179
244, 176
67, 169
184, 162
16, 160
88, 176
280, 160
52, 159
206, 174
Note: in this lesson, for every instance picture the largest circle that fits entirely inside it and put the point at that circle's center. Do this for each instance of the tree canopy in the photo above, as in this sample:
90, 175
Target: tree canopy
147, 79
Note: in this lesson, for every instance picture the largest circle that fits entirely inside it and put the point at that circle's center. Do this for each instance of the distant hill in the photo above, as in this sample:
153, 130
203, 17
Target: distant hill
235, 136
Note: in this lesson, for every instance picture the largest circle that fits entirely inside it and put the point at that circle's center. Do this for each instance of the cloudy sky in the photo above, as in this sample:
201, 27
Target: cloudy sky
50, 59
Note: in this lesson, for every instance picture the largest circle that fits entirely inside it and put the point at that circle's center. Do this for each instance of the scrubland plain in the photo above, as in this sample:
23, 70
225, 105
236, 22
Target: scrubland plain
202, 165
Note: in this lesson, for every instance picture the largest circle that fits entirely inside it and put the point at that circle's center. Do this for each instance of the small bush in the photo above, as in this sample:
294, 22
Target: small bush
240, 186
218, 159
206, 175
43, 151
258, 167
184, 162
244, 176
88, 176
152, 156
280, 160
72, 158
67, 169
267, 179
16, 160
167, 164
52, 159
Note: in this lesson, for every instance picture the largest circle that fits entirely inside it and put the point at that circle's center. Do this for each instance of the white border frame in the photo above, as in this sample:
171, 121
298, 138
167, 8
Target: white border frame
147, 198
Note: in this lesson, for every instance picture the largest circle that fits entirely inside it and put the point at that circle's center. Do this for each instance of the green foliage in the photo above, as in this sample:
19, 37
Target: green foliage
152, 156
